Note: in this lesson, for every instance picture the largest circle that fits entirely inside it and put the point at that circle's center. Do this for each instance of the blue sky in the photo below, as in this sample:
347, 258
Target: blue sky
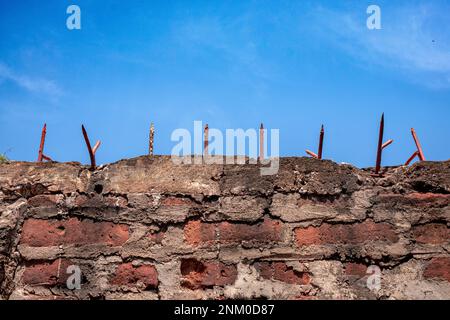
233, 64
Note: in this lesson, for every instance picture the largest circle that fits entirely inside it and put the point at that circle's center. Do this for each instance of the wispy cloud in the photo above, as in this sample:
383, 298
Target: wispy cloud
31, 84
413, 40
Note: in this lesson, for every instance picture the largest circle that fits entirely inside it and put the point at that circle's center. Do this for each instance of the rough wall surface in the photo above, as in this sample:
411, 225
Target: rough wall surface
145, 228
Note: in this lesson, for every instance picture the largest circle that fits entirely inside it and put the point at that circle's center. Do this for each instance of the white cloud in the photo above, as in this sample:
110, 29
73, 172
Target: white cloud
414, 40
34, 85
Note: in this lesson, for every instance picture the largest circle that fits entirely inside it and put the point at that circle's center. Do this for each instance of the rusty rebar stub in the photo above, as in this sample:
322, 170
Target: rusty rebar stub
90, 150
322, 134
41, 155
318, 155
419, 152
419, 147
380, 148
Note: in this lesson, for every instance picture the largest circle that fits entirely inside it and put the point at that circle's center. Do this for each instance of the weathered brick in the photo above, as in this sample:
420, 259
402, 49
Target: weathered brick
432, 233
345, 233
197, 274
413, 200
199, 233
229, 204
128, 275
307, 236
45, 233
355, 269
46, 273
263, 232
281, 272
438, 268
45, 200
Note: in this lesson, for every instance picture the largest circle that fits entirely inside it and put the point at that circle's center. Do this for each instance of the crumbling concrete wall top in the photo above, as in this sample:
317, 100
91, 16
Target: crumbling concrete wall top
146, 228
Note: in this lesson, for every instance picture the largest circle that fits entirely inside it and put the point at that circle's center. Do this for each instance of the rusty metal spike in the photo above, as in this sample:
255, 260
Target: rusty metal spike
419, 147
319, 153
387, 143
90, 150
97, 145
46, 158
380, 146
415, 154
320, 149
312, 154
41, 146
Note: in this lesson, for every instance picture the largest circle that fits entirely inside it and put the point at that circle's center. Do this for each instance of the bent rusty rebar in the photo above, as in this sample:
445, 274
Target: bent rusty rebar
41, 155
91, 150
320, 150
419, 152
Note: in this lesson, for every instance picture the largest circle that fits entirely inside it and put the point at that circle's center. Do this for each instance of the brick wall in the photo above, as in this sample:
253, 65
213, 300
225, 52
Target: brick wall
145, 228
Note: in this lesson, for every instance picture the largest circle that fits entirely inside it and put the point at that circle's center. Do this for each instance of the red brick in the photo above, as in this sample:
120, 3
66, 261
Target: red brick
46, 273
129, 275
266, 231
281, 272
176, 201
197, 274
44, 233
438, 268
432, 233
308, 236
355, 269
199, 233
345, 233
